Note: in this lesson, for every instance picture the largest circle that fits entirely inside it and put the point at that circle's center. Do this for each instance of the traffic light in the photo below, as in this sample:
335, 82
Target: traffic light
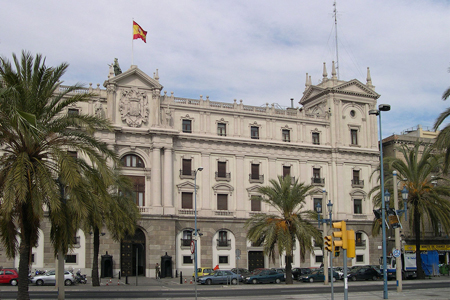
351, 252
328, 243
336, 251
342, 234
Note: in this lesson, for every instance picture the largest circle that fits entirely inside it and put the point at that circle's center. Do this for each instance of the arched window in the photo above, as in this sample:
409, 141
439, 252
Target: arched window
132, 161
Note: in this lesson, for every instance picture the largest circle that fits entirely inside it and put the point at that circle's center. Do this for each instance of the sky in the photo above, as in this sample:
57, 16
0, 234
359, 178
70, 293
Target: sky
255, 50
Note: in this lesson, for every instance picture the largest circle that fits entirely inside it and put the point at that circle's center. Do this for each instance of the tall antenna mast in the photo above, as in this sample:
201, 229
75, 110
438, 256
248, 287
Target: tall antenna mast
336, 37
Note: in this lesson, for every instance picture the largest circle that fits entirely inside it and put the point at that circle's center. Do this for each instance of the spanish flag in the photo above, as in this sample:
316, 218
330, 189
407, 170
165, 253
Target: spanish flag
138, 32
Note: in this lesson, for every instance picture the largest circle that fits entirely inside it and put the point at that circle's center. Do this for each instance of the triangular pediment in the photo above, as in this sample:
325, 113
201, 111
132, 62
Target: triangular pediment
134, 77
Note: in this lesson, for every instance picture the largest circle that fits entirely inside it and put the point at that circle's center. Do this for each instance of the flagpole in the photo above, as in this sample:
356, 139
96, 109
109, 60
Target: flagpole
132, 42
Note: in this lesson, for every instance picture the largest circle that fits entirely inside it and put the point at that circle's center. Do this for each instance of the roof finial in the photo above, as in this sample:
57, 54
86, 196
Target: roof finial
333, 71
307, 82
325, 74
369, 79
156, 75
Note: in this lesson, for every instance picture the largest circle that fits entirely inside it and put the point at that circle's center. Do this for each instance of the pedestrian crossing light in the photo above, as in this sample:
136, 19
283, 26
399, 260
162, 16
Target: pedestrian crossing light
342, 234
328, 243
336, 251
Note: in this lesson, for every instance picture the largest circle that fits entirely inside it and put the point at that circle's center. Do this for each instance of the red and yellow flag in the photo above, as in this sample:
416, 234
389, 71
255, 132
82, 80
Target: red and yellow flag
138, 32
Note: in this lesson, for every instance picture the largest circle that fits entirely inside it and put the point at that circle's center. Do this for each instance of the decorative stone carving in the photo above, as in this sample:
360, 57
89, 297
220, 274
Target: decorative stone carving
99, 111
166, 117
134, 107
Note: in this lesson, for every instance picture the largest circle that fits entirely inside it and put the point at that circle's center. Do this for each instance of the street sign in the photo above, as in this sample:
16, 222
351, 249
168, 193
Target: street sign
192, 247
396, 253
238, 253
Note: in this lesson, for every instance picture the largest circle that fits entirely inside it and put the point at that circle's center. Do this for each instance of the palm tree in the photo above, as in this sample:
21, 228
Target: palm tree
280, 231
428, 204
35, 133
443, 138
112, 205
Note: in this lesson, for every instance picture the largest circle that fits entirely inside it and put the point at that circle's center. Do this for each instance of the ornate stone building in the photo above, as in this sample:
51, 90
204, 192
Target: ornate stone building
163, 140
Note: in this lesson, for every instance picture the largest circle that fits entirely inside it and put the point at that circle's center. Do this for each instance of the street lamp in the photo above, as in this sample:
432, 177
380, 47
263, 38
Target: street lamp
195, 229
405, 194
377, 112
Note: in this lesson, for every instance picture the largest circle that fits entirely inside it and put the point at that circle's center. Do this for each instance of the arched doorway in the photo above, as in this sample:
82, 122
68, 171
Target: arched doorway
132, 254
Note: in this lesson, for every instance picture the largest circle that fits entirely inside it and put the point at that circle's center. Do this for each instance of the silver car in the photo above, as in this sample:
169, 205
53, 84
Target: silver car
49, 278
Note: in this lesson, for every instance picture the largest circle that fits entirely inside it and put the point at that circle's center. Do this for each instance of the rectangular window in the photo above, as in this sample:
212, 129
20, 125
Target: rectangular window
71, 259
255, 171
286, 135
222, 201
354, 136
357, 206
254, 130
32, 258
187, 260
360, 258
316, 138
139, 189
356, 176
317, 201
222, 169
256, 203
73, 112
222, 129
286, 171
319, 259
187, 238
186, 200
187, 126
223, 259
316, 175
187, 167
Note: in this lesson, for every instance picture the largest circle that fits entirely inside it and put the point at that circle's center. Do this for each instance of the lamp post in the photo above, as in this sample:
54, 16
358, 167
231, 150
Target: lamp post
325, 221
195, 228
377, 112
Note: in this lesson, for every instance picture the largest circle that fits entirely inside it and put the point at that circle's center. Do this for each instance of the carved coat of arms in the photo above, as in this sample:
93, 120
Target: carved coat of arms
133, 107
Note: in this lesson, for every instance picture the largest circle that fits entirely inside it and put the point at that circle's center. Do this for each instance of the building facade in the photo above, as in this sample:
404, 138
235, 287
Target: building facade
163, 140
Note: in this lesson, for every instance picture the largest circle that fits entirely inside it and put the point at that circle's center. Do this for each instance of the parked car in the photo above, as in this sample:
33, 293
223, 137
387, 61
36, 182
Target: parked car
50, 278
203, 272
241, 271
318, 276
299, 272
265, 276
364, 274
9, 276
257, 270
219, 277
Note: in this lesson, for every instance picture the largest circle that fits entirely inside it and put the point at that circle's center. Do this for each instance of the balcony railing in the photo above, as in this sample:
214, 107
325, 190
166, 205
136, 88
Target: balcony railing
76, 242
187, 174
223, 243
360, 243
317, 181
223, 177
357, 183
186, 242
255, 179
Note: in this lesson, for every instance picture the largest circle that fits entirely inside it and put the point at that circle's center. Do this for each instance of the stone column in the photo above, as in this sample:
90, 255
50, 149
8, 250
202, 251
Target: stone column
240, 196
156, 181
168, 182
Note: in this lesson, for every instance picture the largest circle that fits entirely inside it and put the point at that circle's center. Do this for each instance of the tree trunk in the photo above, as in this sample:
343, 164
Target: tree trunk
95, 277
24, 255
420, 272
289, 279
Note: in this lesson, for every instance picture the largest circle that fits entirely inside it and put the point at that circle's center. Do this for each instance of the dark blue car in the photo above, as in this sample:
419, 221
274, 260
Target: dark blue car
265, 276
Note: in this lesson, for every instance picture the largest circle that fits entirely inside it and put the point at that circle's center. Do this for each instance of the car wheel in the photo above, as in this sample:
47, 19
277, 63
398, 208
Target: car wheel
208, 281
354, 278
40, 282
234, 281
255, 281
311, 280
68, 282
374, 278
278, 280
14, 282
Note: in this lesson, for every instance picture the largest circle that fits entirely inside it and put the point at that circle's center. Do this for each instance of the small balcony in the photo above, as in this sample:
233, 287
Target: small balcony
223, 243
187, 174
360, 243
186, 242
356, 183
255, 178
317, 181
76, 242
223, 177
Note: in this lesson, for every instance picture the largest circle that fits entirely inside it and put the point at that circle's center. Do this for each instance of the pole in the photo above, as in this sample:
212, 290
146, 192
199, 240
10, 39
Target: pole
324, 234
132, 43
398, 260
331, 261
137, 264
345, 275
383, 215
195, 233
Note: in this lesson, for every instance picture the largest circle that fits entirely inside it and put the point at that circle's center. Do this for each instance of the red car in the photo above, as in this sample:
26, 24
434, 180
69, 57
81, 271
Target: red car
9, 276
